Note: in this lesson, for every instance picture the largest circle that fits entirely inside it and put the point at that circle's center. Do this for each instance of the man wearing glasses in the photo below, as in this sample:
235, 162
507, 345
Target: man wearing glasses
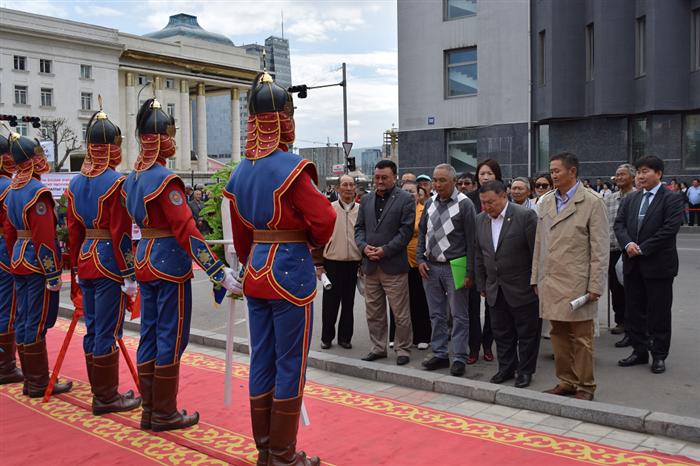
466, 183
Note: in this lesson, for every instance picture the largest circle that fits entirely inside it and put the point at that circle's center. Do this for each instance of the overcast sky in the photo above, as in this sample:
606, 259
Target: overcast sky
322, 34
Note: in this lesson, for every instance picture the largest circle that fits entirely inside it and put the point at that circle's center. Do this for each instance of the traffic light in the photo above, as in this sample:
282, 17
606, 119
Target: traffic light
300, 89
12, 119
35, 121
351, 163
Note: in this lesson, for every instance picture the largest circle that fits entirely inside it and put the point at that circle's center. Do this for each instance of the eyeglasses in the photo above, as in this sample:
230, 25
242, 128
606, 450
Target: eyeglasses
464, 183
542, 185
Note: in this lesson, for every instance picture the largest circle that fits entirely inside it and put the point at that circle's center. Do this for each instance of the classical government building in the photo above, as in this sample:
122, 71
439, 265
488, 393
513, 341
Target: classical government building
519, 81
54, 68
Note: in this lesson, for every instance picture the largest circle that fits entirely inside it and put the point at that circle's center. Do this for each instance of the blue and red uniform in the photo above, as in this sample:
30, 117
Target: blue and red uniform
277, 215
30, 227
170, 240
9, 373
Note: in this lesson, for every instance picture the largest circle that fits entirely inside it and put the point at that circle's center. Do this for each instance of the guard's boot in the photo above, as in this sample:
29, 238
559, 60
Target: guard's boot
36, 372
260, 410
284, 423
146, 371
9, 372
165, 415
20, 351
89, 362
105, 386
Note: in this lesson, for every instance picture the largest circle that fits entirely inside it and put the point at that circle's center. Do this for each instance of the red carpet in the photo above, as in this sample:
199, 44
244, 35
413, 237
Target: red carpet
348, 428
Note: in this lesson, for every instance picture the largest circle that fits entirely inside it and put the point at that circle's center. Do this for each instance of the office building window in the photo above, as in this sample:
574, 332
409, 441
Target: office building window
590, 52
459, 8
543, 148
638, 138
86, 100
21, 128
691, 141
171, 110
86, 71
84, 132
695, 38
21, 95
640, 49
20, 63
142, 79
461, 149
45, 66
461, 72
46, 97
541, 79
170, 84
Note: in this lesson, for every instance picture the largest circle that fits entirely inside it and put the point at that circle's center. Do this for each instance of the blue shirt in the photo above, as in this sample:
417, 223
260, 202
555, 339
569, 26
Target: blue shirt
653, 192
694, 195
563, 201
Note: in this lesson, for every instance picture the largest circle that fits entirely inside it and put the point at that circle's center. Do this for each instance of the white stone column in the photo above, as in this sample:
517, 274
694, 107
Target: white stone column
183, 159
132, 146
201, 128
235, 125
158, 90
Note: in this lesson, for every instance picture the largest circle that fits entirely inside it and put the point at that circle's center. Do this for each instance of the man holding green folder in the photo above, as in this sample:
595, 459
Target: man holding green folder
445, 256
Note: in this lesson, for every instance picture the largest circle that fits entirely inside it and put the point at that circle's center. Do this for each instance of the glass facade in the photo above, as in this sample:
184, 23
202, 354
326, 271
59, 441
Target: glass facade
638, 139
461, 72
542, 148
461, 149
691, 141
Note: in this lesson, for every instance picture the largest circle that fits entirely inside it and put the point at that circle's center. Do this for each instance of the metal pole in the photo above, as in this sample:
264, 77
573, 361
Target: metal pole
138, 96
345, 106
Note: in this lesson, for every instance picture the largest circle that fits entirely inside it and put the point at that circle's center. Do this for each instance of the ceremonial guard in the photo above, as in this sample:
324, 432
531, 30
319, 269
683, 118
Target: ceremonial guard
155, 199
9, 372
99, 233
30, 230
277, 215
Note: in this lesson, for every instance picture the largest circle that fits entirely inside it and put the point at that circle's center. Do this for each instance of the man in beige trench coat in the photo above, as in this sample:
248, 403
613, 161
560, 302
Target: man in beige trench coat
572, 247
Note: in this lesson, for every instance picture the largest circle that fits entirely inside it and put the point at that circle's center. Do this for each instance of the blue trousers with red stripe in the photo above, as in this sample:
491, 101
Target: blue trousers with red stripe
103, 310
280, 334
166, 312
37, 308
8, 303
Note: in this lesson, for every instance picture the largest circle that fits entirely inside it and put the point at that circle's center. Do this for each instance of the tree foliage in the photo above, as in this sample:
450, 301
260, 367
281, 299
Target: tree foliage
211, 211
61, 134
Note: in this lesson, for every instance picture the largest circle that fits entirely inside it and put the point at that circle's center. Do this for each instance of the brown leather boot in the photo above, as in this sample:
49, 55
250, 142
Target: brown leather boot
20, 351
36, 372
146, 372
260, 409
88, 367
9, 372
105, 376
165, 415
284, 423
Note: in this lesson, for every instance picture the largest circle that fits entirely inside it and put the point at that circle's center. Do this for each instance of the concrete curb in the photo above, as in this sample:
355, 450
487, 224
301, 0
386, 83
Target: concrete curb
621, 417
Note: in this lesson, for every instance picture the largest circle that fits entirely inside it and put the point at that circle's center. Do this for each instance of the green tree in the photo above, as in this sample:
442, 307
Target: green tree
211, 212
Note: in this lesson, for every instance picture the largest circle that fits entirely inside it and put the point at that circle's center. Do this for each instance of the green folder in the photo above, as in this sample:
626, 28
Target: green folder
459, 271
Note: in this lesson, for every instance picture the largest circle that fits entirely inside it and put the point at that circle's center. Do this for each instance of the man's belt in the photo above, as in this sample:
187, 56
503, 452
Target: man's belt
279, 236
153, 233
97, 234
24, 234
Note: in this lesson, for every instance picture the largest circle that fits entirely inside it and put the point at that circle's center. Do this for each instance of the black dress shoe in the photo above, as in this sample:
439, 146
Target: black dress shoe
633, 360
345, 344
373, 356
435, 363
501, 377
658, 366
457, 369
523, 380
625, 342
402, 360
325, 345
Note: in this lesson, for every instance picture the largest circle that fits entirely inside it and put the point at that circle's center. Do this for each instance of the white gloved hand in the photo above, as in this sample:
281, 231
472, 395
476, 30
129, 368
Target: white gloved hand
231, 283
130, 287
54, 288
77, 279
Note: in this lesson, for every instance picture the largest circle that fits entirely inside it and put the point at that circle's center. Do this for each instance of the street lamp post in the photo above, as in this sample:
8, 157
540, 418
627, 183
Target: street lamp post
138, 96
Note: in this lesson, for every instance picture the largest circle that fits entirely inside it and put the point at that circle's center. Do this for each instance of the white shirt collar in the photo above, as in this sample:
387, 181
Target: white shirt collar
502, 215
653, 190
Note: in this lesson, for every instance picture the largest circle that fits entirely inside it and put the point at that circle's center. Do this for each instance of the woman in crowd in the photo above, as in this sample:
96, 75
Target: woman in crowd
543, 184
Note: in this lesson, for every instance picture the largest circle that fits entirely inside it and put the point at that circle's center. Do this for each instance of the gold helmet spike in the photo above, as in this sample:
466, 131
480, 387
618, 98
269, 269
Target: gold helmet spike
15, 136
156, 104
100, 115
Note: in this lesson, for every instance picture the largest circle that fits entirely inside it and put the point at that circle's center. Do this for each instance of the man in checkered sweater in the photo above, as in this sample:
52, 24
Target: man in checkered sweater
446, 232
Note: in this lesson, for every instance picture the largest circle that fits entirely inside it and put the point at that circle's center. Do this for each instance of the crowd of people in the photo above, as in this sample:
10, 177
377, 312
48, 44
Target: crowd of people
536, 251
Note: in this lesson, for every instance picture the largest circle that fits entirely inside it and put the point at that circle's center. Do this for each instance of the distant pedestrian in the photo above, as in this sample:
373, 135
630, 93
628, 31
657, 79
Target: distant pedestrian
693, 194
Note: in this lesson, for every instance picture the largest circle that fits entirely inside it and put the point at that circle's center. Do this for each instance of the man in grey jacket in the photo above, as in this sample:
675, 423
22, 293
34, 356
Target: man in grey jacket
384, 227
505, 241
446, 233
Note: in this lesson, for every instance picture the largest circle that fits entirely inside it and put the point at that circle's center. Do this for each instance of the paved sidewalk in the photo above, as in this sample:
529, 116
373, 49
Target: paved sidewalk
490, 412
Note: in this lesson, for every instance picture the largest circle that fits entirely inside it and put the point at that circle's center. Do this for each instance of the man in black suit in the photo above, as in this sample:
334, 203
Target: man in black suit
505, 241
384, 227
646, 227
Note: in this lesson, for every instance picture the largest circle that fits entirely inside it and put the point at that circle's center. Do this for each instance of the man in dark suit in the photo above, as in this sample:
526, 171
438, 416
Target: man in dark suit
384, 227
646, 227
505, 241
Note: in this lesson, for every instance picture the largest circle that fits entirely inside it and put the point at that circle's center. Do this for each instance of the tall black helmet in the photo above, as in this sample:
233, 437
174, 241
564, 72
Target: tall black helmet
151, 119
266, 96
24, 148
4, 145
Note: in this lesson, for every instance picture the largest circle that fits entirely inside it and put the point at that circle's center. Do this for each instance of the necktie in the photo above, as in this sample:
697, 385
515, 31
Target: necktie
643, 210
